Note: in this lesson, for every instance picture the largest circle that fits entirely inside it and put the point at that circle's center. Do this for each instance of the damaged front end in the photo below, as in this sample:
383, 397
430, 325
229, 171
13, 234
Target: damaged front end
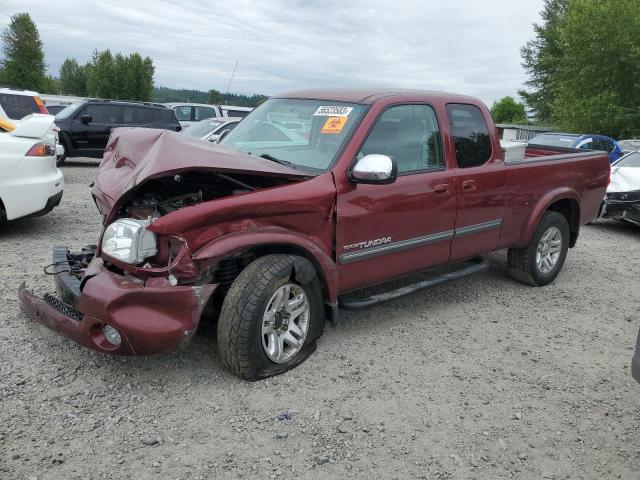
141, 290
623, 206
116, 313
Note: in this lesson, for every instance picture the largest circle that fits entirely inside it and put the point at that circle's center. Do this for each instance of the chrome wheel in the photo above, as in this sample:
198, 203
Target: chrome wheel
285, 323
549, 250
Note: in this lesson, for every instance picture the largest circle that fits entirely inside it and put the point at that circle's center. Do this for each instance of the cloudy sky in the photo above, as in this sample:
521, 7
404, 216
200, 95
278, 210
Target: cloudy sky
463, 46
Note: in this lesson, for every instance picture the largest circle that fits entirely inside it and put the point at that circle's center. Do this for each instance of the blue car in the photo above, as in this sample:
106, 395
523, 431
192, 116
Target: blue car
585, 142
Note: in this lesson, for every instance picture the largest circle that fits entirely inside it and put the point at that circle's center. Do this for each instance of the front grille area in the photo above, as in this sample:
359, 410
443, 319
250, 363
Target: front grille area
62, 307
624, 196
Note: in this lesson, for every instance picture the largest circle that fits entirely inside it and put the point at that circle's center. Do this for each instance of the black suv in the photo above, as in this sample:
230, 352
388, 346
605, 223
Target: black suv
85, 126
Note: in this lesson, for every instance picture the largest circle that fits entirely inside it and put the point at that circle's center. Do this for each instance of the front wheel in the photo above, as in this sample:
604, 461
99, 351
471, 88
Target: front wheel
271, 317
540, 262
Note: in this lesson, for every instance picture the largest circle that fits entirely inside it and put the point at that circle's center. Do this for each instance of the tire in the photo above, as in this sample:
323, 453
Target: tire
524, 263
250, 308
63, 158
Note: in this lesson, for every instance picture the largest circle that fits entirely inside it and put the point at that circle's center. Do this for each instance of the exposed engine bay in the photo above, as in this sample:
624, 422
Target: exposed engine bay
160, 196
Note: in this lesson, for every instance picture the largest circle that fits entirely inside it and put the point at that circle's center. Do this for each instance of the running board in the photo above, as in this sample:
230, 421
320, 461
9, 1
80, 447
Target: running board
470, 267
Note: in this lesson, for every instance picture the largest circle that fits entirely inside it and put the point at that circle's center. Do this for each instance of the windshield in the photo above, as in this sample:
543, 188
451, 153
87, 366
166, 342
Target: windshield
308, 134
203, 128
567, 141
69, 110
631, 160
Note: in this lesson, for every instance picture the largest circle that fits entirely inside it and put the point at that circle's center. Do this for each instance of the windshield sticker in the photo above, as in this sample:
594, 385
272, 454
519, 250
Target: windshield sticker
332, 111
334, 125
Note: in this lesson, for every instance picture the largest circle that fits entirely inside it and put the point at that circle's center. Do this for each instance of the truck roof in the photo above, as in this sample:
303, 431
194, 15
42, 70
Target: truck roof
368, 96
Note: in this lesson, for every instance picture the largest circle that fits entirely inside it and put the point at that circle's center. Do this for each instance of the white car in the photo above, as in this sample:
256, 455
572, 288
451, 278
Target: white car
30, 183
211, 128
191, 113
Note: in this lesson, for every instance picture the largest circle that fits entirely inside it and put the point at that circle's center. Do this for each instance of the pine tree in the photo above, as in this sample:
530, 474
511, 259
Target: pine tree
23, 63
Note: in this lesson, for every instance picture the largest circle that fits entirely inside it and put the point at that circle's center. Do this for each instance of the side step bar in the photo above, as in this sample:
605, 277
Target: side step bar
470, 267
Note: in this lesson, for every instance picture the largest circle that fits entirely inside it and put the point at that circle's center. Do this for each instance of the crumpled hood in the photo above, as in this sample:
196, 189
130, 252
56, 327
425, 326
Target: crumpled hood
134, 155
624, 179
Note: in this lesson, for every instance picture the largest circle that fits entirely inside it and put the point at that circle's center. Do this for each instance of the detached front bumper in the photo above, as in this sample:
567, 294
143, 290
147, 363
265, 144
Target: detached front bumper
151, 316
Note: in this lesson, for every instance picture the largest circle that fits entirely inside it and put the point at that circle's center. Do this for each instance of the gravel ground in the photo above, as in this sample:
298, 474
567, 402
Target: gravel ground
483, 378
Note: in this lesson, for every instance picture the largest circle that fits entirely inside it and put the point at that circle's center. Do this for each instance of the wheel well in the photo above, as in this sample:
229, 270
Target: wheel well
228, 268
570, 209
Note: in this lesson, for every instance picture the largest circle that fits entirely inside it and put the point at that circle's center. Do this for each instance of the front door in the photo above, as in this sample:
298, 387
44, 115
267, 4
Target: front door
481, 183
386, 231
91, 138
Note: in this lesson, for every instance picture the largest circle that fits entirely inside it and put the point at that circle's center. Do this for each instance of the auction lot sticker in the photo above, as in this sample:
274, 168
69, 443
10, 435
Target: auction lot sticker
332, 111
334, 125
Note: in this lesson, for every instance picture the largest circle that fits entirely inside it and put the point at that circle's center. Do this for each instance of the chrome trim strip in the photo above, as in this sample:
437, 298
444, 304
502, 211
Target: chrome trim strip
479, 227
418, 241
395, 247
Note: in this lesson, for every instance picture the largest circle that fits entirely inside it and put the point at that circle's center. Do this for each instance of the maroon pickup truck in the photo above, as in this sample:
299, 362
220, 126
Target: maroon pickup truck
312, 198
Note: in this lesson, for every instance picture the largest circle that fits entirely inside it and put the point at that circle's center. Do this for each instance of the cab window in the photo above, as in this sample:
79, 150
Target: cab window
470, 135
410, 135
202, 113
183, 114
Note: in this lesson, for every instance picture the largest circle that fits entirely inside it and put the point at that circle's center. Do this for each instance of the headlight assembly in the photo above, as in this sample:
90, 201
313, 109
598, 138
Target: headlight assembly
129, 241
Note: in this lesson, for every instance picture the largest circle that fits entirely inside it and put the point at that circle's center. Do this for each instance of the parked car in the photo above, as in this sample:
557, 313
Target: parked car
85, 126
211, 128
269, 240
233, 111
629, 146
584, 142
191, 113
622, 201
16, 104
30, 183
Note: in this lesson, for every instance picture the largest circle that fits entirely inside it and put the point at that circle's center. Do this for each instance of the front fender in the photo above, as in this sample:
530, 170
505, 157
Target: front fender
542, 206
232, 243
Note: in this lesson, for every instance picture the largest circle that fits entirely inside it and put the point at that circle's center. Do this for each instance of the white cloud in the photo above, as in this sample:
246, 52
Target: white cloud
464, 46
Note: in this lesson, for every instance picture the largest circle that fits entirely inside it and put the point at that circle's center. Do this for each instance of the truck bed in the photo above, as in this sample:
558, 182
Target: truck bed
547, 172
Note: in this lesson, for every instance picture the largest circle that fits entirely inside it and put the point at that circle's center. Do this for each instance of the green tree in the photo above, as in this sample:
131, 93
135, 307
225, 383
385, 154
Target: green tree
541, 59
73, 78
597, 87
23, 57
100, 75
507, 110
148, 71
214, 96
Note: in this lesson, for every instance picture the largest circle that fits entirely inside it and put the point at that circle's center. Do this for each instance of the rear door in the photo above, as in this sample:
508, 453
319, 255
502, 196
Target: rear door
386, 231
481, 182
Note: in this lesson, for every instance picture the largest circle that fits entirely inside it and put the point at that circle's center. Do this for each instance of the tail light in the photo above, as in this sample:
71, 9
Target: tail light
41, 106
42, 150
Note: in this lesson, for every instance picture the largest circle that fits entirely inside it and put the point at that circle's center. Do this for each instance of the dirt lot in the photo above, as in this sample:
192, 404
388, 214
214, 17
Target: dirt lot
484, 378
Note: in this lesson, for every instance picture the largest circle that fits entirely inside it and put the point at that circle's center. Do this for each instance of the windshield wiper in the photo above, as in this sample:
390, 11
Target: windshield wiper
277, 160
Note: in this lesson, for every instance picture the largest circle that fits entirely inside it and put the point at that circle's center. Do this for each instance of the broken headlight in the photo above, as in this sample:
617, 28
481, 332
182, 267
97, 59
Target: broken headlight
129, 241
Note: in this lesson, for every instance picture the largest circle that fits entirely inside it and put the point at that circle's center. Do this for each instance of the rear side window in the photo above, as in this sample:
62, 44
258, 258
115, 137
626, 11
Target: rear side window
202, 113
183, 114
18, 106
140, 115
237, 113
107, 114
470, 135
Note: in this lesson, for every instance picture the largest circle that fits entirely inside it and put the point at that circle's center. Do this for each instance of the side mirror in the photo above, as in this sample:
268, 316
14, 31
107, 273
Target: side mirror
375, 169
86, 119
223, 134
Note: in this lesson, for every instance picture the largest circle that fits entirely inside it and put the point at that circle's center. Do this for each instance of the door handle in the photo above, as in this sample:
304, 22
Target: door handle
441, 188
468, 185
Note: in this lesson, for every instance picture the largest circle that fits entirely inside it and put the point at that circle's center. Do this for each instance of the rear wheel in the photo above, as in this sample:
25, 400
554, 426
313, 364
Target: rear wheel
271, 317
540, 262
